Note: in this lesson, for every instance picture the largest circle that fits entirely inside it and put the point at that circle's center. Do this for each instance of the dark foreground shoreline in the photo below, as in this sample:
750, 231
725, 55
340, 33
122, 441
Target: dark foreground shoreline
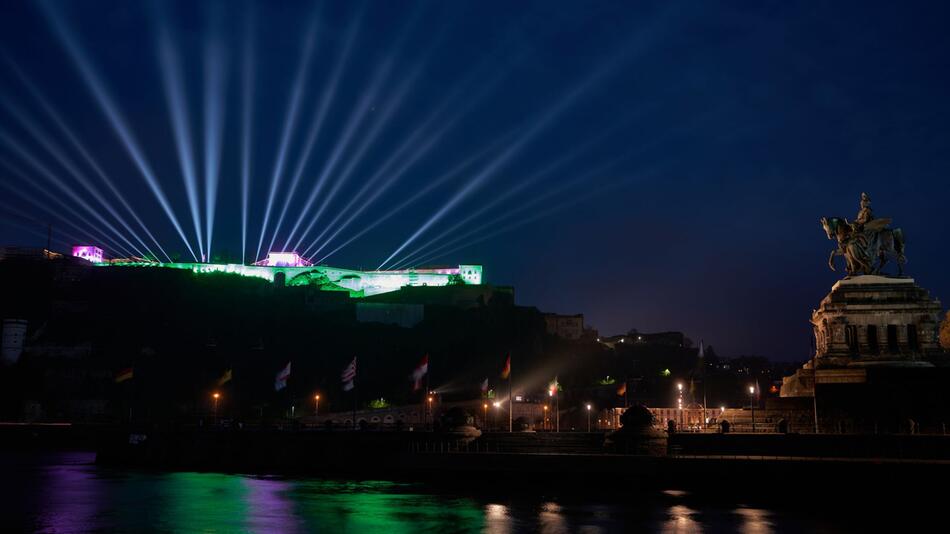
567, 462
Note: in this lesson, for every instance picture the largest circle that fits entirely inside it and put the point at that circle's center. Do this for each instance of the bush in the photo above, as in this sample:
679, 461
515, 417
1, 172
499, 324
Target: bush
638, 416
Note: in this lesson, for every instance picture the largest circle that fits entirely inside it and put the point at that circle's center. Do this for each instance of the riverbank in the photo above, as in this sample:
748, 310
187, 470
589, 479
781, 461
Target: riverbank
519, 460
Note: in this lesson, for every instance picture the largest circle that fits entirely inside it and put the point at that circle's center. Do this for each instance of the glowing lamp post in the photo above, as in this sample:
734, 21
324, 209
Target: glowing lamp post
679, 401
215, 396
752, 405
544, 419
495, 416
485, 416
429, 410
588, 418
316, 404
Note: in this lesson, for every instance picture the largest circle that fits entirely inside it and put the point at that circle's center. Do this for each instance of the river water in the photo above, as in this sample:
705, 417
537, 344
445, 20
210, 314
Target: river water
67, 492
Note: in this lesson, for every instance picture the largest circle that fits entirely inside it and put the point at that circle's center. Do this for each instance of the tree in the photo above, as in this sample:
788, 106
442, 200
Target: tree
945, 332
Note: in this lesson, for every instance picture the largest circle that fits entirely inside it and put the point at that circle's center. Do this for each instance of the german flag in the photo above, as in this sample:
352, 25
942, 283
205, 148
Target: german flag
123, 375
506, 372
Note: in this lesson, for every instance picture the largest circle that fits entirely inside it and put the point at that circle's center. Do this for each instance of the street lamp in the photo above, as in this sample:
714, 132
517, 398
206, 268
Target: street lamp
485, 417
752, 405
679, 401
316, 404
429, 409
544, 420
215, 396
588, 418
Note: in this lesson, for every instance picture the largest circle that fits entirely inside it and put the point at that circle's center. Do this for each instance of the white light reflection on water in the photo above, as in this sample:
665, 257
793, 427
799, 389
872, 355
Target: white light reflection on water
497, 519
551, 519
755, 520
680, 520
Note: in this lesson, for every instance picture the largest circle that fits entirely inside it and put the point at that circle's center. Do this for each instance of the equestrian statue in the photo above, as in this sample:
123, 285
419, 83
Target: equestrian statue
867, 243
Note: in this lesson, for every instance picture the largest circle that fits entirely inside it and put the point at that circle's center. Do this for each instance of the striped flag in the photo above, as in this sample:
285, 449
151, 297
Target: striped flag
349, 375
506, 372
281, 381
553, 387
419, 372
485, 387
123, 375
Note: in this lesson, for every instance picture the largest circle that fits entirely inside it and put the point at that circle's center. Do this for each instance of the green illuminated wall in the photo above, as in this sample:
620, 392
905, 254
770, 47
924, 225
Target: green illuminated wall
357, 283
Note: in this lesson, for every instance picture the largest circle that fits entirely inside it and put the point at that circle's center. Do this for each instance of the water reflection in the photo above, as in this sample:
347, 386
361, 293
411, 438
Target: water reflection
71, 494
681, 520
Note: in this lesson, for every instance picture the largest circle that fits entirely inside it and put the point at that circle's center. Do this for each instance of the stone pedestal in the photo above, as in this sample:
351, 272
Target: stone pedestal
869, 321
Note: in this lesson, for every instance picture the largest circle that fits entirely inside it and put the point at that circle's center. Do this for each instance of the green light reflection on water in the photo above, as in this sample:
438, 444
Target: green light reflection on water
377, 506
210, 502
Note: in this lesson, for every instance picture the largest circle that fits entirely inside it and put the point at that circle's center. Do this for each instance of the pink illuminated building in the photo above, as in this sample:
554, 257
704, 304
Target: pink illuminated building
283, 259
88, 252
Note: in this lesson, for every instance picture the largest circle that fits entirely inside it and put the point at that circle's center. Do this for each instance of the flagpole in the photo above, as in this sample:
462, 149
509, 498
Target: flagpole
509, 394
702, 349
427, 406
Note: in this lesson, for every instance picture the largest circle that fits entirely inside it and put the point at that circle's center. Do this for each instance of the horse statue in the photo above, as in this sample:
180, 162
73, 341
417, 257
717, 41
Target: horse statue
865, 247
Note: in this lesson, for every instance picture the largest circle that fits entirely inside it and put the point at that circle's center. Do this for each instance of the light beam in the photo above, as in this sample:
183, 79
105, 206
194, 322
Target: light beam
290, 120
25, 155
214, 104
44, 140
247, 125
74, 140
116, 120
174, 88
316, 126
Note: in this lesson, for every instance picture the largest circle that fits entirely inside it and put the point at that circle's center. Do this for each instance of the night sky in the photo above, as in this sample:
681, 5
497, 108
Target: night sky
651, 165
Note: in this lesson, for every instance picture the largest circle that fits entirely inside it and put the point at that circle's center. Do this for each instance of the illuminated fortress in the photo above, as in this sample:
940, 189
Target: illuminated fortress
288, 268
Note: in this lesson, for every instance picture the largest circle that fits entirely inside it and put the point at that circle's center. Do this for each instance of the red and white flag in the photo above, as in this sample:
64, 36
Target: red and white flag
419, 372
281, 381
349, 375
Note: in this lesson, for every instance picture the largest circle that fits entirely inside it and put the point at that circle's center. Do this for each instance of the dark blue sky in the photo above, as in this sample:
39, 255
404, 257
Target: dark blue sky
688, 150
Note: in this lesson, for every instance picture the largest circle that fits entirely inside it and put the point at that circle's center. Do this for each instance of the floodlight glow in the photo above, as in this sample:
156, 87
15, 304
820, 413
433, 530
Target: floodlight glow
174, 89
367, 141
88, 252
483, 236
247, 124
316, 126
62, 186
498, 199
63, 206
460, 97
431, 186
369, 96
115, 118
214, 104
283, 259
74, 140
562, 105
478, 233
70, 166
533, 131
352, 126
290, 120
